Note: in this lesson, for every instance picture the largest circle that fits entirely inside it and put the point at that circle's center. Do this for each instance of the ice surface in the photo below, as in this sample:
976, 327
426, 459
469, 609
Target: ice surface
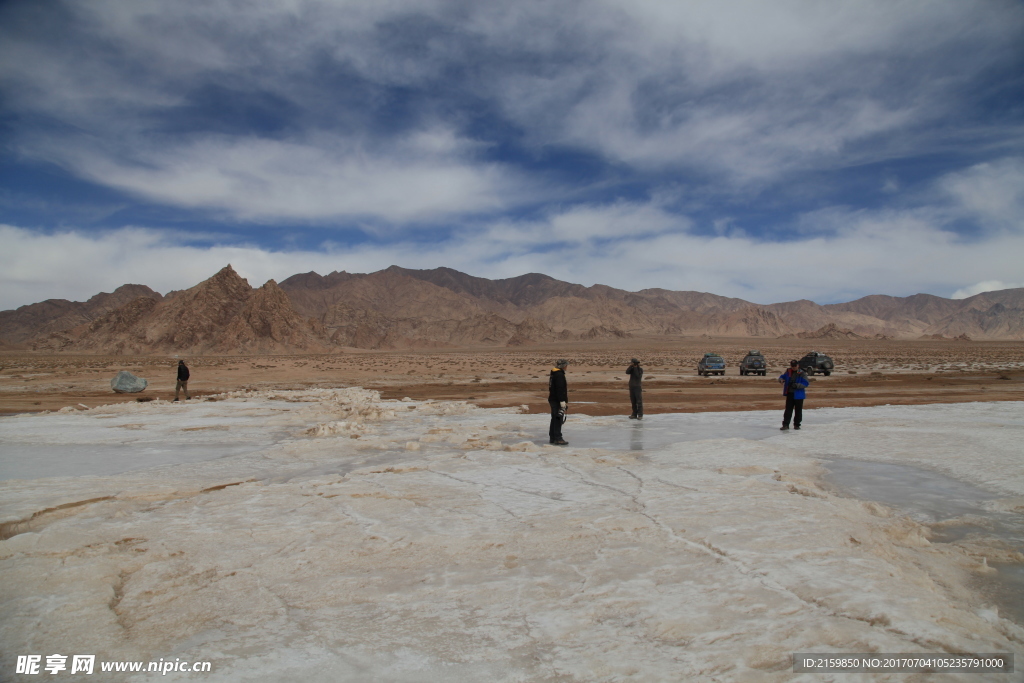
114, 439
927, 495
954, 511
659, 431
328, 535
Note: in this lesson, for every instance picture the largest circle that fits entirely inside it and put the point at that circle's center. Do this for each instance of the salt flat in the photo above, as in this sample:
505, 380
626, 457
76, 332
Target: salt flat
328, 535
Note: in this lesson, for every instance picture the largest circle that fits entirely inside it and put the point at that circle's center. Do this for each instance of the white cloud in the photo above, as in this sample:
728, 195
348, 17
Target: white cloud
582, 224
423, 176
987, 286
754, 90
898, 253
790, 34
992, 193
745, 90
75, 265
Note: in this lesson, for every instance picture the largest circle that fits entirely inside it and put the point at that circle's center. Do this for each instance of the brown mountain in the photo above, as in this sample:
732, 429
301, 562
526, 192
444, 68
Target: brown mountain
54, 315
830, 331
752, 321
402, 308
267, 323
994, 322
420, 300
220, 315
924, 307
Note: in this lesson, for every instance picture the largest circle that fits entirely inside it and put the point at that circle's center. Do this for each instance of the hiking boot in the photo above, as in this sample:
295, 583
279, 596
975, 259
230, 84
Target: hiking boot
796, 426
560, 442
783, 428
639, 417
632, 417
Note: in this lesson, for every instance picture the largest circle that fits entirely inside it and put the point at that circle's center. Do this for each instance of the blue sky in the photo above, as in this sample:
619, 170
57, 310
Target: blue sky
765, 150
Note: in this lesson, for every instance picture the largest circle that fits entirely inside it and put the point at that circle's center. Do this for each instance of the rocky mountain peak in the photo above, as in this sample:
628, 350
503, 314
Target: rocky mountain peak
226, 279
267, 323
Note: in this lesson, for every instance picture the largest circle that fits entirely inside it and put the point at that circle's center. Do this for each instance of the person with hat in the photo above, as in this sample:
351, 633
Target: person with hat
794, 383
636, 392
558, 399
182, 382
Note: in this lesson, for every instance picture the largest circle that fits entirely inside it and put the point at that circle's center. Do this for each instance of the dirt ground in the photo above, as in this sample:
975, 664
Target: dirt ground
867, 373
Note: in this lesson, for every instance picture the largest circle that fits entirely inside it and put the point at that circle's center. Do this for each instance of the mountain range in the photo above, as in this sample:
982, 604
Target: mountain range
399, 308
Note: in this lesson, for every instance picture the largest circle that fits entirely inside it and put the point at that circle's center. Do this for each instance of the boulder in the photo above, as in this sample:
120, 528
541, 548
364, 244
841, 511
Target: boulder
127, 383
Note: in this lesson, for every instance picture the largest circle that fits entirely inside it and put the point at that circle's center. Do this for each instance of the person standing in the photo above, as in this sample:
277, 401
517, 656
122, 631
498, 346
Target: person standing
636, 392
558, 399
794, 383
182, 383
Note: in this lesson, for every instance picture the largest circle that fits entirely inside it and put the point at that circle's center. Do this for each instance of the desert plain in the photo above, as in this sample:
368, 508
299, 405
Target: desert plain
868, 373
399, 515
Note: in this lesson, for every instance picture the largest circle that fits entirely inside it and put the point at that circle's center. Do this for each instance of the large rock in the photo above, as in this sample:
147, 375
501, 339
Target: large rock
127, 383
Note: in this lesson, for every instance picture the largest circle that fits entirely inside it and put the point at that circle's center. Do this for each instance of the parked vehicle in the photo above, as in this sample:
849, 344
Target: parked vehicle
817, 362
753, 364
711, 364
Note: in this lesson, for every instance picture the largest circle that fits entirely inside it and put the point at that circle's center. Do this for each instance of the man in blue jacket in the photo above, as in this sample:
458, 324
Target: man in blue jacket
794, 382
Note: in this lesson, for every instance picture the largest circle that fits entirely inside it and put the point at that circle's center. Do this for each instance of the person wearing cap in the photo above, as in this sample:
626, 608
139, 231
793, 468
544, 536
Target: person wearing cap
558, 399
636, 392
182, 382
794, 382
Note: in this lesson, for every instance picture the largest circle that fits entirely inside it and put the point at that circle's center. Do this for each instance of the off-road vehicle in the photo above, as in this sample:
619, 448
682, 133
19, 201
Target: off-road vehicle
711, 364
753, 364
816, 362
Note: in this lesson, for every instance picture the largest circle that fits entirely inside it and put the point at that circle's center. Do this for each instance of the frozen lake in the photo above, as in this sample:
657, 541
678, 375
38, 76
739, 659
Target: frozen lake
329, 535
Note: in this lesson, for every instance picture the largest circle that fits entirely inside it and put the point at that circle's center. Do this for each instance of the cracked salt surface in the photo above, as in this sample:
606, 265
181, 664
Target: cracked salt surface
331, 535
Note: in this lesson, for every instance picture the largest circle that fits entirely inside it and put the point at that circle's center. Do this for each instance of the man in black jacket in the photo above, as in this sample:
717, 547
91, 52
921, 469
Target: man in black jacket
182, 382
636, 392
558, 399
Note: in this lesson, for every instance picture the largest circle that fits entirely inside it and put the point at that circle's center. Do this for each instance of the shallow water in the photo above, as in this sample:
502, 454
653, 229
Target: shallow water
926, 496
665, 429
953, 510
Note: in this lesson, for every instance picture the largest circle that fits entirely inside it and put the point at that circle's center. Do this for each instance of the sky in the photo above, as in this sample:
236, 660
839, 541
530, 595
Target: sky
770, 151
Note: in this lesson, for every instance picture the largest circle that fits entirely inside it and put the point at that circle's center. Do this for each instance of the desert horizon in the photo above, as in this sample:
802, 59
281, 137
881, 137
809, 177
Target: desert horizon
867, 373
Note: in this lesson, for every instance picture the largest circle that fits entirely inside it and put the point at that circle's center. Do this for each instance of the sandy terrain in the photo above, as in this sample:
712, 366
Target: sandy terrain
867, 373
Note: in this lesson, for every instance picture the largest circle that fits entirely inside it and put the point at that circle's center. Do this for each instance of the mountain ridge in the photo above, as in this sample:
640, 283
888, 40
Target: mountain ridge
442, 307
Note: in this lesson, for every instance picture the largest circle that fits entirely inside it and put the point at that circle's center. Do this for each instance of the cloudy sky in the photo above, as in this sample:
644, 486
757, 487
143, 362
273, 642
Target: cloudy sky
765, 150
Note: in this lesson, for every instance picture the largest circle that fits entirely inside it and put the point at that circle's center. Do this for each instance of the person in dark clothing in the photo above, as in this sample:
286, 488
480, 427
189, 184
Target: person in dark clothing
558, 399
794, 383
636, 392
182, 382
